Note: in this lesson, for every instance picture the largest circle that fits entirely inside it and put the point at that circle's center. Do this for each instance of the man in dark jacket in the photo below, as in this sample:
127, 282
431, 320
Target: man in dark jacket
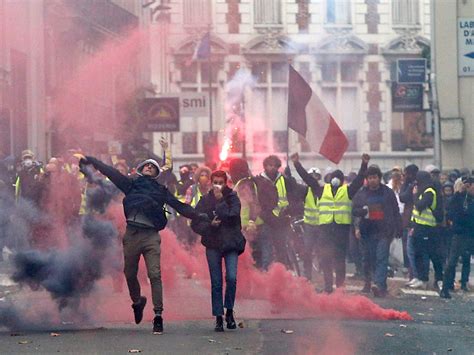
406, 197
223, 240
278, 230
335, 218
259, 198
377, 221
461, 212
144, 211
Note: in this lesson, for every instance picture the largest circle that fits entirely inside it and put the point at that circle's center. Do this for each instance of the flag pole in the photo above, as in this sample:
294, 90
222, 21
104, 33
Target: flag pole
210, 85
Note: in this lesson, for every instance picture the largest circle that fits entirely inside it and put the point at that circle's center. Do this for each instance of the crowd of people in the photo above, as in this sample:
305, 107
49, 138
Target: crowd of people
353, 216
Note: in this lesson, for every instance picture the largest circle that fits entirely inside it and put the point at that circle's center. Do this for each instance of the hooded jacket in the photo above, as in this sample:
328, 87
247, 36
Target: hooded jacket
143, 193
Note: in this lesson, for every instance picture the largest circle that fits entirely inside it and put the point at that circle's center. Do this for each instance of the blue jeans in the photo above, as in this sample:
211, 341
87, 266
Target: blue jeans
411, 256
376, 251
214, 260
264, 247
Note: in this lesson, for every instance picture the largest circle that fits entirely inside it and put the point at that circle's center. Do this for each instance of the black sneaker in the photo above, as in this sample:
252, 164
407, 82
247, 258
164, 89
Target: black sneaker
219, 324
464, 287
138, 309
158, 325
444, 293
229, 319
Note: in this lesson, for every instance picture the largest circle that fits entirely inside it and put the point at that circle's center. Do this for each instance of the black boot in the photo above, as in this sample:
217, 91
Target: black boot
138, 309
229, 319
219, 324
158, 325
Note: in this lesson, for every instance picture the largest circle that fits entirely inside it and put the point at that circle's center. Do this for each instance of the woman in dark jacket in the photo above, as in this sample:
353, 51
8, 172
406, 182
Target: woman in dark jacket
223, 239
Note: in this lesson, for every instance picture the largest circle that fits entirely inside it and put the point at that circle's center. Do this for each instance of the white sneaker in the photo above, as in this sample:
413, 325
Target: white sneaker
411, 281
418, 284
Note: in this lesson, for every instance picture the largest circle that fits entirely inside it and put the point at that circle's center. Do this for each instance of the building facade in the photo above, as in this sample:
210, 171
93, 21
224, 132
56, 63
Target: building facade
346, 49
42, 44
453, 30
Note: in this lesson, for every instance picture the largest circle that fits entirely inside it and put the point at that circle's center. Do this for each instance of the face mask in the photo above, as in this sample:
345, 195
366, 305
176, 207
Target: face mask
335, 182
219, 187
203, 179
28, 163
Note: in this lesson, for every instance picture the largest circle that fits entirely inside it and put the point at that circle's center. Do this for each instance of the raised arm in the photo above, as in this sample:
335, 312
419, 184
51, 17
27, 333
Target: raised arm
121, 181
359, 180
307, 178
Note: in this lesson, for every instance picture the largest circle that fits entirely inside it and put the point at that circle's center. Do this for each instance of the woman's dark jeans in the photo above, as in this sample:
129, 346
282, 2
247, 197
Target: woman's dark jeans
214, 260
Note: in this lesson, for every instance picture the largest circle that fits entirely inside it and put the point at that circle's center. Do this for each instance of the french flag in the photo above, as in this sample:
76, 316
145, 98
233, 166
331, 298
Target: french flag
308, 116
202, 50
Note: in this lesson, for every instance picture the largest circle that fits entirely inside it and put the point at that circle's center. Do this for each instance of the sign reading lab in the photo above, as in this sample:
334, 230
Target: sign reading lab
466, 46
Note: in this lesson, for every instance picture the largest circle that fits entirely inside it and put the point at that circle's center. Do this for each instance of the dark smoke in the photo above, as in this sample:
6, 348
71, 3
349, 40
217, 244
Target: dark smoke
71, 274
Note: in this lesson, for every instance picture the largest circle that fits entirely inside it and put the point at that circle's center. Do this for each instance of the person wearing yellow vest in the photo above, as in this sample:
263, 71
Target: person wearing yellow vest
259, 198
27, 182
312, 177
275, 235
424, 231
200, 188
335, 218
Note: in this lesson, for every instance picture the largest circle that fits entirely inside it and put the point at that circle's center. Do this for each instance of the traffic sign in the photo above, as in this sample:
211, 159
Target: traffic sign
466, 46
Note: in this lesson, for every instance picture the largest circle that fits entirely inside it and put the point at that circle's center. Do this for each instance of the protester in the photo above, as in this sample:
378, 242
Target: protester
377, 222
424, 231
144, 211
335, 218
287, 191
406, 197
461, 213
223, 240
27, 185
258, 198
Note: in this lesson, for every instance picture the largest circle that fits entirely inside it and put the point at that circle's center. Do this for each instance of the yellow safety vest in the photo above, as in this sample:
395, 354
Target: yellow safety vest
426, 217
282, 196
197, 197
245, 209
311, 209
335, 208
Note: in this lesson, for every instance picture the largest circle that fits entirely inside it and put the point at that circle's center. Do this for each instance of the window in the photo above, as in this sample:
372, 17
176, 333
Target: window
340, 94
405, 12
189, 142
196, 13
338, 12
267, 12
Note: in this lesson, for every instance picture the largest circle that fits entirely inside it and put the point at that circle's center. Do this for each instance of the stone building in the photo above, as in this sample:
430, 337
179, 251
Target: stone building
454, 66
346, 49
42, 43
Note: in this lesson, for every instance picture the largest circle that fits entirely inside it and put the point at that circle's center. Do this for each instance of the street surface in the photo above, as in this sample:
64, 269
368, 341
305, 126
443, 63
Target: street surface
439, 327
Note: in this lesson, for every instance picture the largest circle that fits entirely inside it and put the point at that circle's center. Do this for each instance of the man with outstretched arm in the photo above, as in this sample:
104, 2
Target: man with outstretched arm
335, 218
144, 211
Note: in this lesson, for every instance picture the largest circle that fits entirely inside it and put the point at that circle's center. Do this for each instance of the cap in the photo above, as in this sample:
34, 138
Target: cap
432, 169
27, 153
468, 180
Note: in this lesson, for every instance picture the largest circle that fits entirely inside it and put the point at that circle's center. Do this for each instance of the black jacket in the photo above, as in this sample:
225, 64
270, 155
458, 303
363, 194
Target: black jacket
460, 211
227, 236
144, 194
392, 219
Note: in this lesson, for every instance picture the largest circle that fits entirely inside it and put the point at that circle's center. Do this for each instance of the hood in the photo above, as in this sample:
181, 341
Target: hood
151, 161
238, 169
424, 180
338, 174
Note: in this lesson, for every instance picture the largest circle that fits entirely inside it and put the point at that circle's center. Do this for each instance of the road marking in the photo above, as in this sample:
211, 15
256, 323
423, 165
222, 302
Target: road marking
419, 292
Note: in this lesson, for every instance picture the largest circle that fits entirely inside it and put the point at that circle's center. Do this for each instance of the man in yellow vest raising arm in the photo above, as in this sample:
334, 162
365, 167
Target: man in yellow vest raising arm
335, 218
